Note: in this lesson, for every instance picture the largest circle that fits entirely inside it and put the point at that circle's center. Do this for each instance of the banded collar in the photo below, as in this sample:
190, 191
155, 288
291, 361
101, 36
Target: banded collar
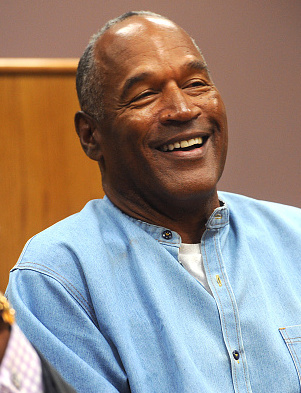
218, 219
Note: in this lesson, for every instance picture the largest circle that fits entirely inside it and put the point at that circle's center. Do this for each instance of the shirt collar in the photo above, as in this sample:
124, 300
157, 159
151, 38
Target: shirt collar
220, 216
218, 219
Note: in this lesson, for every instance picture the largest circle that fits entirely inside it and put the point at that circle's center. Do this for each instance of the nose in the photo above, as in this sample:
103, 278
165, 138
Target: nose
178, 107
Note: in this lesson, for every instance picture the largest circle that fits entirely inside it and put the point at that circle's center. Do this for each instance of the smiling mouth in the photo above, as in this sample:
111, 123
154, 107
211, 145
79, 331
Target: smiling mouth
184, 145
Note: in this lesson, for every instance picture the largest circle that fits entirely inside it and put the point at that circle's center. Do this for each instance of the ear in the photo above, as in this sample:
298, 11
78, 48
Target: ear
89, 134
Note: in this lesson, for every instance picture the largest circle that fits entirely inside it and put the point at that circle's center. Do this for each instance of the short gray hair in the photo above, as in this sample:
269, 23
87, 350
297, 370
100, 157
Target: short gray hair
89, 77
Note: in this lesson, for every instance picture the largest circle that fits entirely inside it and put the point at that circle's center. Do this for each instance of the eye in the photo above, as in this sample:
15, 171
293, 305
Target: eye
144, 96
195, 86
194, 83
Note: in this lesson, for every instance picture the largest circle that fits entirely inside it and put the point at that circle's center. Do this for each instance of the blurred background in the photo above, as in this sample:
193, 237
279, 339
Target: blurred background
253, 51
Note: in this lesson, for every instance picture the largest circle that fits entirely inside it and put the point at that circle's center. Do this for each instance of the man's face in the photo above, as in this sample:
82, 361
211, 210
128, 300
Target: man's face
158, 98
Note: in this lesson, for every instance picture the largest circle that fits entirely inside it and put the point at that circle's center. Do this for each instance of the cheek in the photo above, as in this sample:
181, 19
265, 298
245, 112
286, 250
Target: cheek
216, 112
139, 117
215, 105
132, 128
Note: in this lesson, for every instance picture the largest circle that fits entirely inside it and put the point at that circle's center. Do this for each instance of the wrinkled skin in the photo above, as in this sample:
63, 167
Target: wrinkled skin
157, 91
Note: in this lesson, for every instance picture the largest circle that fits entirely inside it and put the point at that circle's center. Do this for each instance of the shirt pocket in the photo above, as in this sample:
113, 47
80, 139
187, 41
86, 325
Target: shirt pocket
292, 338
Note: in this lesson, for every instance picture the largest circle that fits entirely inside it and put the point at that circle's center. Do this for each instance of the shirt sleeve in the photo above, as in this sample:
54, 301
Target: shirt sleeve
56, 321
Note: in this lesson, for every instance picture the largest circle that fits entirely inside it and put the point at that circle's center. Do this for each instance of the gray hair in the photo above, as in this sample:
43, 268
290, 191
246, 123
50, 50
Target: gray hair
89, 78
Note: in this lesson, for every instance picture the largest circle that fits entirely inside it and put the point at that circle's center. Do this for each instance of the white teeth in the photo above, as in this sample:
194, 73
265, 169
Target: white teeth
182, 144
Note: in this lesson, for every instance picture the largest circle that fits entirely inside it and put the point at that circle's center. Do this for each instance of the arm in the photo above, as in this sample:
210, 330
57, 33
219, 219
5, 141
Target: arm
55, 319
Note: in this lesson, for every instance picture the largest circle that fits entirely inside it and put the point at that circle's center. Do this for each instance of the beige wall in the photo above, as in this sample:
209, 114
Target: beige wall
253, 51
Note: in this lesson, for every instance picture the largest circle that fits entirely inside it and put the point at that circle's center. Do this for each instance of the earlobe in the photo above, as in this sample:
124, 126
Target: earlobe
89, 135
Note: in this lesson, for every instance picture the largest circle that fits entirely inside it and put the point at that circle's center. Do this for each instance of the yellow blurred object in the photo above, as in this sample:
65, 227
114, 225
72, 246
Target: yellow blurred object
7, 313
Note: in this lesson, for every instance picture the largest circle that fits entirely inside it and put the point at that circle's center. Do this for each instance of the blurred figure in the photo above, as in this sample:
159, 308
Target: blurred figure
22, 369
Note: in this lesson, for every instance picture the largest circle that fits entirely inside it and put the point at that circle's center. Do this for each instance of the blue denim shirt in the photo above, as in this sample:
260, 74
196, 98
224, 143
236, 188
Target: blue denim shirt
105, 299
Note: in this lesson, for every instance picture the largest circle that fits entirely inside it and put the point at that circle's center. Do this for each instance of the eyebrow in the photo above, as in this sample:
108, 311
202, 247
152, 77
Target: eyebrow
196, 65
191, 65
133, 80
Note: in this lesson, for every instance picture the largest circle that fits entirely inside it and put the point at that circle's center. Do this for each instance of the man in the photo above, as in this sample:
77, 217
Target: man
164, 285
22, 369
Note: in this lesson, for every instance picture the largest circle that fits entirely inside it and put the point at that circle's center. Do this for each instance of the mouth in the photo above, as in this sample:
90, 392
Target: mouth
185, 144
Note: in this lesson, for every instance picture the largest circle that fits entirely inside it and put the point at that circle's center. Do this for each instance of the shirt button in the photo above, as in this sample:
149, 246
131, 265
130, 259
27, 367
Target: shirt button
235, 355
167, 234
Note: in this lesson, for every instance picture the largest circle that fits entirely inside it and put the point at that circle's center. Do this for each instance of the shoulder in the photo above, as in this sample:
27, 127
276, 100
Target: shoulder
254, 210
237, 201
68, 235
60, 250
77, 246
58, 262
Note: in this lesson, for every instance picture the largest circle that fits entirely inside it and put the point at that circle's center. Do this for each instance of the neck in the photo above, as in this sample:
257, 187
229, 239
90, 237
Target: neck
186, 217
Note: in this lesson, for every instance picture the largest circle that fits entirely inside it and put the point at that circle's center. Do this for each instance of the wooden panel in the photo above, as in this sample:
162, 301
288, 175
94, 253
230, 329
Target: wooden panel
44, 174
50, 66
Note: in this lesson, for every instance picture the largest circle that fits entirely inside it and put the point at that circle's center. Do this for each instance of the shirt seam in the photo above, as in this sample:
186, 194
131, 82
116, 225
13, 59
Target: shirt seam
67, 285
292, 352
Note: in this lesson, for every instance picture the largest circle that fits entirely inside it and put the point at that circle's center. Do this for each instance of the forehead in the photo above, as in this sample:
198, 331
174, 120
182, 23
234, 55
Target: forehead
144, 42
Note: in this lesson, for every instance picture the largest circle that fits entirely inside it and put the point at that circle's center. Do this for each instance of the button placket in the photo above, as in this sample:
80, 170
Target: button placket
225, 299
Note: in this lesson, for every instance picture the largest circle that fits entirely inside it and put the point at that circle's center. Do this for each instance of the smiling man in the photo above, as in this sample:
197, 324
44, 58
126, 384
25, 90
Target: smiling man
165, 285
162, 142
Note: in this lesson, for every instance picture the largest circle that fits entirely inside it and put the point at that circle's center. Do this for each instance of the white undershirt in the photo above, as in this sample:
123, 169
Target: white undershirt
191, 258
